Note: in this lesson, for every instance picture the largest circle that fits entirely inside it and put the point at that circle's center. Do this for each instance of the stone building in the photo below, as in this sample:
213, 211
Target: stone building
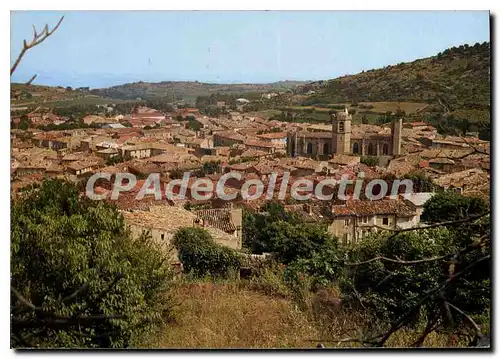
162, 221
353, 220
344, 138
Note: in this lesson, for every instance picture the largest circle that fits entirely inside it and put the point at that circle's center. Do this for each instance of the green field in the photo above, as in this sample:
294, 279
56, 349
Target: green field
266, 114
379, 107
90, 100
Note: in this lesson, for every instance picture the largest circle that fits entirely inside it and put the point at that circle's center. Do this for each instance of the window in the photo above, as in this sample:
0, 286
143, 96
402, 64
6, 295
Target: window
385, 149
341, 127
385, 221
309, 148
370, 150
326, 149
162, 236
355, 148
347, 238
364, 219
346, 222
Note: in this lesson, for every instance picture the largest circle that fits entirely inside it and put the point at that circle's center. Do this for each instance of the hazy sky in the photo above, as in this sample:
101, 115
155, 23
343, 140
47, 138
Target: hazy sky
104, 48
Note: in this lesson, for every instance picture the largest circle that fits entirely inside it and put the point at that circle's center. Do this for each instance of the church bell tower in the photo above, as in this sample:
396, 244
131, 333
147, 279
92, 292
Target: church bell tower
341, 132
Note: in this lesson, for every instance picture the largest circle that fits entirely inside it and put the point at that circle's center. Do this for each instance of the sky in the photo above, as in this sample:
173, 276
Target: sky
106, 48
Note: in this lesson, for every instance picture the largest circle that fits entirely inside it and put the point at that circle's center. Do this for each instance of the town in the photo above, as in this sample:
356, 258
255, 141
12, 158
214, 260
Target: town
260, 179
149, 141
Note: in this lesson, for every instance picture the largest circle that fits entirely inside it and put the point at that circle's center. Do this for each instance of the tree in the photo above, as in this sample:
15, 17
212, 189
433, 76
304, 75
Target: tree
389, 299
399, 113
282, 233
114, 160
193, 125
450, 205
435, 275
78, 278
200, 255
24, 124
176, 173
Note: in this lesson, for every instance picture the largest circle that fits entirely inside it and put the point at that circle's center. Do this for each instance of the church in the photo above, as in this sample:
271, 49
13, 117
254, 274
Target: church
344, 138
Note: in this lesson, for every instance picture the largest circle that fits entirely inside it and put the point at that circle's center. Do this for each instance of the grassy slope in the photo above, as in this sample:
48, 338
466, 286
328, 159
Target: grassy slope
225, 316
231, 315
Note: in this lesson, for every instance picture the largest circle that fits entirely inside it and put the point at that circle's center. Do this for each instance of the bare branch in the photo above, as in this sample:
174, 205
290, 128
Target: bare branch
370, 341
100, 296
467, 249
434, 225
426, 295
37, 39
31, 79
76, 293
51, 320
474, 324
398, 261
431, 324
442, 224
23, 300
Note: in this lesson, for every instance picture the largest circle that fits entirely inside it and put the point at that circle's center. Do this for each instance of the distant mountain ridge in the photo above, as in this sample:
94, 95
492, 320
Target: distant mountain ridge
189, 89
455, 79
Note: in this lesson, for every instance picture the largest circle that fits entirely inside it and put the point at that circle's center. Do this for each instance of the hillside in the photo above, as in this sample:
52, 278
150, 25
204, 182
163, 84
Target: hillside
32, 95
212, 315
455, 78
188, 89
234, 315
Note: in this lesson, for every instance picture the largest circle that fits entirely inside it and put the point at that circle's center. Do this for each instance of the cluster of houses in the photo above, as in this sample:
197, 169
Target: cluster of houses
156, 142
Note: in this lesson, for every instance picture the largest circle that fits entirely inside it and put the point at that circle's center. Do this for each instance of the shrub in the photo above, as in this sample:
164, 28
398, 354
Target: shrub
283, 233
324, 265
61, 242
391, 290
270, 281
200, 255
369, 161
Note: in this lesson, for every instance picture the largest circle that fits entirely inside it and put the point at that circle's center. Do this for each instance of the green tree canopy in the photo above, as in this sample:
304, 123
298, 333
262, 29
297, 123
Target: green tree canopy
450, 205
64, 243
200, 255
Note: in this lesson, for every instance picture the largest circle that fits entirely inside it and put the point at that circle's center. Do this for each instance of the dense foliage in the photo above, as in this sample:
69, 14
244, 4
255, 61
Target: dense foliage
64, 244
412, 278
371, 161
450, 205
200, 255
285, 234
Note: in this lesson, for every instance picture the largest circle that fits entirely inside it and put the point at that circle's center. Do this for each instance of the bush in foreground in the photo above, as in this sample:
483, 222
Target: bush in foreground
201, 256
73, 258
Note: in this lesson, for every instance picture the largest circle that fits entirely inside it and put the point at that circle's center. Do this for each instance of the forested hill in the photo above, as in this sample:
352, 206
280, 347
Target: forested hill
456, 78
188, 89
